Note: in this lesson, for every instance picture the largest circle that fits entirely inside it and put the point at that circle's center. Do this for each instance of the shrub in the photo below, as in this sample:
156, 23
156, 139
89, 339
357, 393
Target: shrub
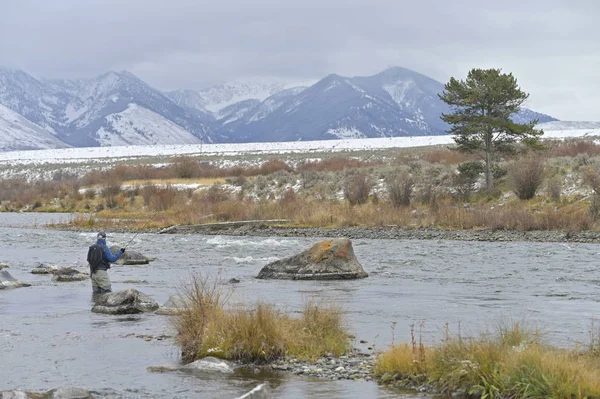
111, 189
526, 176
333, 164
216, 193
555, 187
185, 167
591, 177
274, 166
400, 189
357, 189
594, 208
446, 156
466, 178
160, 199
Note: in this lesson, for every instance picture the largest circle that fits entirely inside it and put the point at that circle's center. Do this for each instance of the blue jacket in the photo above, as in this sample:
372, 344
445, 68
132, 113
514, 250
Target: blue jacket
108, 257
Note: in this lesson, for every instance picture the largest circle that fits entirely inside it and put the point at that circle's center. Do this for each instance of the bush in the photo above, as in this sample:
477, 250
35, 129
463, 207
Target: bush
160, 199
526, 176
357, 189
591, 177
185, 167
555, 187
465, 179
400, 189
594, 209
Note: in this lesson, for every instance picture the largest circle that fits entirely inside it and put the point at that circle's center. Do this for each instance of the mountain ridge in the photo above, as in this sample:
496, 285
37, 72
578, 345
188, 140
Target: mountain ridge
118, 108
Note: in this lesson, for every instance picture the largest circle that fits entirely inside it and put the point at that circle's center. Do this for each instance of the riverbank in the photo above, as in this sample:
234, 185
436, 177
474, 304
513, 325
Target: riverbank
383, 232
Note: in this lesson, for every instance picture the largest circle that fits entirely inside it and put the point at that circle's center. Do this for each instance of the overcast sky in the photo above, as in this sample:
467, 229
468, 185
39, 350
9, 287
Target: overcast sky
551, 46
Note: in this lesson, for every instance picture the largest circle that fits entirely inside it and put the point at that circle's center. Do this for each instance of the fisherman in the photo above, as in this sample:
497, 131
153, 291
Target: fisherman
99, 258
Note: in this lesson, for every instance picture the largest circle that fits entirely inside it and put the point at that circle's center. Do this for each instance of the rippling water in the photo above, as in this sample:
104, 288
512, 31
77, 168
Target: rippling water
49, 337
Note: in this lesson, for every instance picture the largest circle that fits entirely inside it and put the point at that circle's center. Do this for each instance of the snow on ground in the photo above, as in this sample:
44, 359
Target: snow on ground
16, 132
140, 125
110, 154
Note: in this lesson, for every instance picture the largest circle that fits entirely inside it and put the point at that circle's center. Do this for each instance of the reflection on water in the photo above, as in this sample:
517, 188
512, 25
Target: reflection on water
49, 337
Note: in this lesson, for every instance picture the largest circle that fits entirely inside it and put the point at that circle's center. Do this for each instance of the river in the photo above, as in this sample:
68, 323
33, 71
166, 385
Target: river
49, 337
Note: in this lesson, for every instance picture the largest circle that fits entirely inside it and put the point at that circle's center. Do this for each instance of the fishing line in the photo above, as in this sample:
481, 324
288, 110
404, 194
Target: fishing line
143, 227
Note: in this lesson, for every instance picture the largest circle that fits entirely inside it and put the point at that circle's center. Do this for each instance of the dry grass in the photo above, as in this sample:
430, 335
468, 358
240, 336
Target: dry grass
510, 363
319, 197
257, 333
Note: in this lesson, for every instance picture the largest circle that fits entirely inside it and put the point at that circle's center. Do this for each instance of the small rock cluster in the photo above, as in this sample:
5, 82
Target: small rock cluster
7, 281
58, 393
357, 366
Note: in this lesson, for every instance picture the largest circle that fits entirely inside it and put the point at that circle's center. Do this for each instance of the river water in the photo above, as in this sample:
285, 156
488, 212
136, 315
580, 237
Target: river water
49, 337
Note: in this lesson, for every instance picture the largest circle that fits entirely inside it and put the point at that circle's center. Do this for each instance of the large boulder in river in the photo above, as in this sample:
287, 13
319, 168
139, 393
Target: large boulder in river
8, 281
130, 257
129, 301
326, 260
174, 305
69, 274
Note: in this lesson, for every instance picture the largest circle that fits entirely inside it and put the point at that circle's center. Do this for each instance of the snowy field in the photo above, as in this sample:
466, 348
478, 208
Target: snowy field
112, 154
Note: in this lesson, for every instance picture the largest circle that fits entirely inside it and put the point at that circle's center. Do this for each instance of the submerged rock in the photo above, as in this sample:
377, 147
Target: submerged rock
174, 305
59, 393
69, 274
3, 266
42, 268
8, 281
129, 301
326, 260
207, 364
261, 391
130, 257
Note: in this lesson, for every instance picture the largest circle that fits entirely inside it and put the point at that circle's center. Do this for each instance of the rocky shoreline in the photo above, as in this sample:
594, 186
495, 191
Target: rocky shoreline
357, 366
380, 232
397, 233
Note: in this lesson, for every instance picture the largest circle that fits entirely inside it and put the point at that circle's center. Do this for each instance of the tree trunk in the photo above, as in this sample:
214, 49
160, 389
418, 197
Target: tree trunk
489, 177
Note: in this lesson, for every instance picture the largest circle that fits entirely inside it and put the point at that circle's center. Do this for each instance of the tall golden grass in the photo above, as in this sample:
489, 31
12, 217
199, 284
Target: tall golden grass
253, 333
513, 362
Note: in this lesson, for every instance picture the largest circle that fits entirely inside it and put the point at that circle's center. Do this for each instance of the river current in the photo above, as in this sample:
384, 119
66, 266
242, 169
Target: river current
49, 337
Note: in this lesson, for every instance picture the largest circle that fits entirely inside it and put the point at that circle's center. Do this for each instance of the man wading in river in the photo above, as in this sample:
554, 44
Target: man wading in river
99, 257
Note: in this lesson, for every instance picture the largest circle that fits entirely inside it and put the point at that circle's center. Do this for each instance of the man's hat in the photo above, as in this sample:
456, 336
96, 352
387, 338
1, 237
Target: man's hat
101, 234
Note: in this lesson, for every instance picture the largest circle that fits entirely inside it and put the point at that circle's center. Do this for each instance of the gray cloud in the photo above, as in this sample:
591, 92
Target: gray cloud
551, 46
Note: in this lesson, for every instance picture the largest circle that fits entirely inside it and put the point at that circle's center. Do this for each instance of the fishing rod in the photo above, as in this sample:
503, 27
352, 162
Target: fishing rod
143, 227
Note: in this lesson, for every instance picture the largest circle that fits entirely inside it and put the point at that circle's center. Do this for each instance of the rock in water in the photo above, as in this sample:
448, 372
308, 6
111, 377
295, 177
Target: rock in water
130, 257
173, 306
8, 281
44, 269
129, 301
326, 260
59, 393
206, 364
211, 364
69, 274
3, 266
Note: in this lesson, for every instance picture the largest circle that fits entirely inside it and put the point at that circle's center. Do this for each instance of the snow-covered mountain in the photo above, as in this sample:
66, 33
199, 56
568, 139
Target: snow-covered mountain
19, 133
112, 108
216, 98
395, 102
117, 108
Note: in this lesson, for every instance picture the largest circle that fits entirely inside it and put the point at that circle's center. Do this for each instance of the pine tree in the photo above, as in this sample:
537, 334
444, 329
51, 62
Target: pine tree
480, 121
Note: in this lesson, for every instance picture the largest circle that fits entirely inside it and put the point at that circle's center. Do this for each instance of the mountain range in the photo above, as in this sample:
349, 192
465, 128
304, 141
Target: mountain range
118, 108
